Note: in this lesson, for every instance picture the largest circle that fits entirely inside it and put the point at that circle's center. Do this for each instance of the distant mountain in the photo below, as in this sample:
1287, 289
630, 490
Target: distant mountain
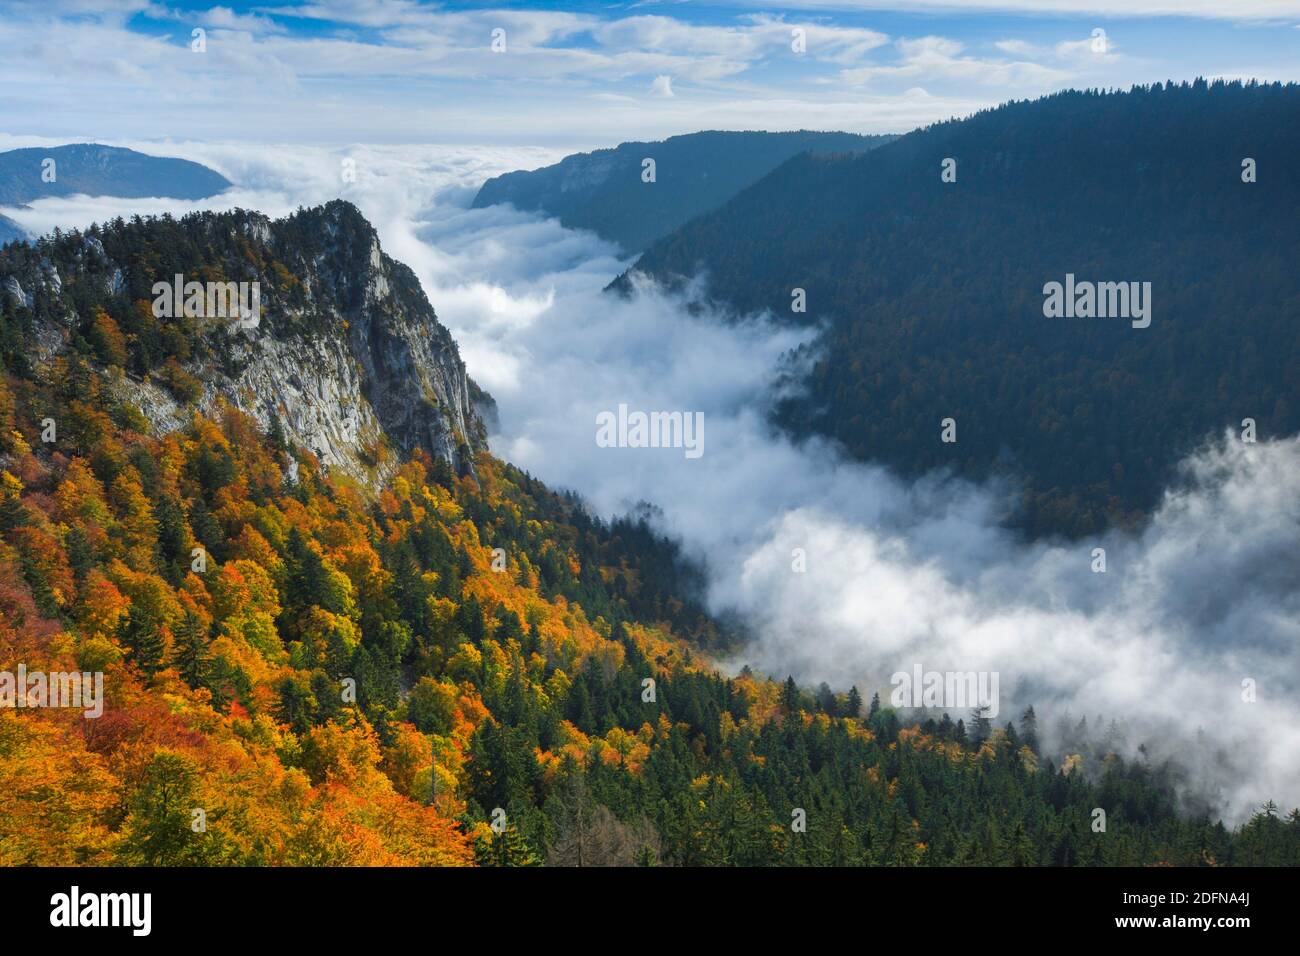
932, 292
603, 191
10, 230
96, 170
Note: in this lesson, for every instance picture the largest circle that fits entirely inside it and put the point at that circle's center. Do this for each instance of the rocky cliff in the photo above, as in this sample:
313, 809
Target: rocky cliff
345, 355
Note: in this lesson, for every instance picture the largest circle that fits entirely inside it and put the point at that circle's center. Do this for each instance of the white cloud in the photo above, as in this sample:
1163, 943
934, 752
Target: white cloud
1206, 9
662, 86
392, 70
1020, 48
219, 18
941, 58
1095, 48
405, 69
369, 13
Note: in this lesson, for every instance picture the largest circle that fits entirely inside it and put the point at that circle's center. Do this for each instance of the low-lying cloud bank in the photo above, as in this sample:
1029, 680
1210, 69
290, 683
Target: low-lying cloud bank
895, 574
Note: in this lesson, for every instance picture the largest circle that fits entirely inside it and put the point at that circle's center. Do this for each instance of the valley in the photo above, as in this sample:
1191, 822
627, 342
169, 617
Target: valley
364, 583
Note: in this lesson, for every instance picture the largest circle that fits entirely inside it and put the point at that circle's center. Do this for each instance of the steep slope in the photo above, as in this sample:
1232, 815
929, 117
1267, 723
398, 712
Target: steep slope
933, 292
603, 191
96, 170
347, 356
354, 681
474, 687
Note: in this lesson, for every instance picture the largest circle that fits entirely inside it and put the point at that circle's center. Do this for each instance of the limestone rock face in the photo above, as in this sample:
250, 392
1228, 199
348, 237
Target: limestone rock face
347, 354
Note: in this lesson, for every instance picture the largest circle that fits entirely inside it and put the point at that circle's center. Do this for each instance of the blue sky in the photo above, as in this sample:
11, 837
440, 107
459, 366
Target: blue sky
591, 73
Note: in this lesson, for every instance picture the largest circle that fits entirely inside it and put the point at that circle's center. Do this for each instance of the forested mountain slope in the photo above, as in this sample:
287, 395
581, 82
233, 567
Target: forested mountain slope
932, 292
604, 191
343, 673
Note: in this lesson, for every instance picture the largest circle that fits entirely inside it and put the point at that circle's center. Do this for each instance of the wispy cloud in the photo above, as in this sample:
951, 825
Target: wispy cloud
933, 58
1208, 9
385, 70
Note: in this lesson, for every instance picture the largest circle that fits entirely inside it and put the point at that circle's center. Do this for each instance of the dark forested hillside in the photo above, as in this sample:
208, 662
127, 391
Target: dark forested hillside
447, 668
604, 191
932, 292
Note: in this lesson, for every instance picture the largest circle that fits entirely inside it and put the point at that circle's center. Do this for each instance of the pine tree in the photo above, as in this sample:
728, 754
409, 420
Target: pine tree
945, 729
144, 639
1029, 729
275, 434
208, 530
1022, 850
789, 697
173, 539
980, 726
507, 848
13, 513
191, 649
853, 707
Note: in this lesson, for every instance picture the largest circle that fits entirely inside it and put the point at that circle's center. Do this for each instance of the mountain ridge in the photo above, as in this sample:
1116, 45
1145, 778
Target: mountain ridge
603, 190
931, 292
97, 170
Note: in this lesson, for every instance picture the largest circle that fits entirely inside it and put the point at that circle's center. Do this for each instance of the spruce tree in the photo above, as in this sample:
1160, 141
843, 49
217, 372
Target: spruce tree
1029, 729
191, 650
789, 696
853, 708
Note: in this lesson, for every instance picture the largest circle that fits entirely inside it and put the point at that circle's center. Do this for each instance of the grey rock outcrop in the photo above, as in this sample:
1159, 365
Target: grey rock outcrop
347, 355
